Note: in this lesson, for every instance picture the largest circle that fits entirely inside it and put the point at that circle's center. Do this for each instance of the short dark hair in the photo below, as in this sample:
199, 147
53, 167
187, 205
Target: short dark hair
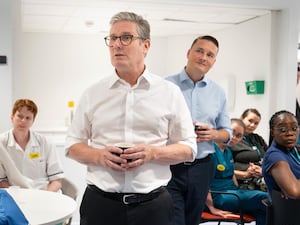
208, 38
239, 122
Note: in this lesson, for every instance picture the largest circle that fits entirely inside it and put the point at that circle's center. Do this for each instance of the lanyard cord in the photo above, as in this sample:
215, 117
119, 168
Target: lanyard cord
250, 141
295, 157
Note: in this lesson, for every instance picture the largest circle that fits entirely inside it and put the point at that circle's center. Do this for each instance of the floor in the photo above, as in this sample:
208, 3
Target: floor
208, 223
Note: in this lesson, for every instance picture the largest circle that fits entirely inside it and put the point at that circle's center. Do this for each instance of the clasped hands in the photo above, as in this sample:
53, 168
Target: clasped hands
254, 170
128, 159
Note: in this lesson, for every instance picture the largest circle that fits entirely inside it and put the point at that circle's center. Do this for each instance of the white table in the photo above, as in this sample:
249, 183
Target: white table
43, 207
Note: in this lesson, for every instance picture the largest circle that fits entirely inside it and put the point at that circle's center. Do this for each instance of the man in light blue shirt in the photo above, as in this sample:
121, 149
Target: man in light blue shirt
208, 106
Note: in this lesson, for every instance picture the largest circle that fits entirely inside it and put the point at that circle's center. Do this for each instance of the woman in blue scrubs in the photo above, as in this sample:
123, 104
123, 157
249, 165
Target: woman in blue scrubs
281, 165
225, 180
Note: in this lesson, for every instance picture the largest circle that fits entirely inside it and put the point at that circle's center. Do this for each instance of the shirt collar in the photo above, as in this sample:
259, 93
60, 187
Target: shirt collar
12, 142
184, 78
145, 80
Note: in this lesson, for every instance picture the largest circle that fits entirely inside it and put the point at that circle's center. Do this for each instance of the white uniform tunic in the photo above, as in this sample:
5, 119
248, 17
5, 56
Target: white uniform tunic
38, 164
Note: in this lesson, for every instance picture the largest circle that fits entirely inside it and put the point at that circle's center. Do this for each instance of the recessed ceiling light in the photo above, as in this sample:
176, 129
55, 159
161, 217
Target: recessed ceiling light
89, 23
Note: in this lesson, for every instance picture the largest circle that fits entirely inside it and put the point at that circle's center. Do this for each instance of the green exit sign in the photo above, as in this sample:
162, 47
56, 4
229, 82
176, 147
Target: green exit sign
255, 87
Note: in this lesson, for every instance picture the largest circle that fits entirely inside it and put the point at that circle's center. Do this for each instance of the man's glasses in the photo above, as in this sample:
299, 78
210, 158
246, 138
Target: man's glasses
286, 130
125, 39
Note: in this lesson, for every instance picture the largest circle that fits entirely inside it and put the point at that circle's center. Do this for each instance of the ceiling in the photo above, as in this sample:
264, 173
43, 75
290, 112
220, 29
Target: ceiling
166, 18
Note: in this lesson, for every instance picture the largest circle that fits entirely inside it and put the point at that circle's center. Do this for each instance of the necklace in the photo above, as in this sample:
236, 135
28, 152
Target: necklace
296, 156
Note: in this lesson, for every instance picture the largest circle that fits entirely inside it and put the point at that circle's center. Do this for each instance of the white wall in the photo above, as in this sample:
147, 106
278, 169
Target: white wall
244, 55
6, 38
260, 49
57, 68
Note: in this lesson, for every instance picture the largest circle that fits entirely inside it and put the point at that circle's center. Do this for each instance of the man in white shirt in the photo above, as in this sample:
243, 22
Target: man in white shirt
132, 106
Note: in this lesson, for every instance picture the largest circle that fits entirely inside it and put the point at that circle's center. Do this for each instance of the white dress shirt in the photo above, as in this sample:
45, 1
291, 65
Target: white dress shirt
151, 112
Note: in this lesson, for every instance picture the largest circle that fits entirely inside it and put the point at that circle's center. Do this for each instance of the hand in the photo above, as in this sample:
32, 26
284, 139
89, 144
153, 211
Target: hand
254, 170
219, 212
110, 157
247, 173
205, 133
136, 156
257, 171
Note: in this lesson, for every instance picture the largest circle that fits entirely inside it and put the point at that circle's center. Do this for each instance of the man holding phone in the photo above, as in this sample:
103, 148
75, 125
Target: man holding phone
207, 103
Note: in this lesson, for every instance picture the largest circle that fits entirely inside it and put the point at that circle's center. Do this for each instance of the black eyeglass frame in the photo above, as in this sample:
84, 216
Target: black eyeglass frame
286, 130
125, 39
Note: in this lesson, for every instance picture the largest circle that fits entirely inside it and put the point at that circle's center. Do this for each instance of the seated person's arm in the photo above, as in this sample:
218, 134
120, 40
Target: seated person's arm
212, 209
54, 185
286, 179
240, 174
235, 180
4, 184
252, 171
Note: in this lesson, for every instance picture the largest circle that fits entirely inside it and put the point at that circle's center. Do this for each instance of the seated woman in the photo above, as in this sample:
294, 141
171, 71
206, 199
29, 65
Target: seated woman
281, 165
225, 180
249, 152
27, 158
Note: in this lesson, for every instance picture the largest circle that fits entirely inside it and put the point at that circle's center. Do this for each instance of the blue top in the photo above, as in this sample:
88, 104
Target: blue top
274, 154
298, 142
10, 213
207, 103
224, 170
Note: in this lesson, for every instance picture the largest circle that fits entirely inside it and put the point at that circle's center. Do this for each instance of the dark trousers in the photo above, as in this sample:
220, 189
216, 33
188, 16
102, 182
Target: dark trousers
95, 209
189, 187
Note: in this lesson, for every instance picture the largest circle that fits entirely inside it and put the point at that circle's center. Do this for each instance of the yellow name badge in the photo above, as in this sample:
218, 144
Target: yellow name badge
34, 155
220, 167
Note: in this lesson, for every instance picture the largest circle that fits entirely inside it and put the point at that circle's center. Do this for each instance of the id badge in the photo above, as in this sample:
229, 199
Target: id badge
35, 153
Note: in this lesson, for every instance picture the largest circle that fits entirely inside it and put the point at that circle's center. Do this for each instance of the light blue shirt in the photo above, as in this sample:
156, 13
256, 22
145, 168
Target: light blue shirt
207, 103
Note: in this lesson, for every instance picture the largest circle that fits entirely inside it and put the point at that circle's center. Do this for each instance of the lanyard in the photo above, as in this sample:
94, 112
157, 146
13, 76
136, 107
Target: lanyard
295, 157
250, 141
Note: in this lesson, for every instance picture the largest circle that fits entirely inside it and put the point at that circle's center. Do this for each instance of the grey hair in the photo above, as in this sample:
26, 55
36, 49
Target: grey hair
143, 26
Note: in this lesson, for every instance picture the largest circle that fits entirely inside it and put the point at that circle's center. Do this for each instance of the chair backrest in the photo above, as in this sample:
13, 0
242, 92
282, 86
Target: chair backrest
69, 188
269, 216
285, 211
